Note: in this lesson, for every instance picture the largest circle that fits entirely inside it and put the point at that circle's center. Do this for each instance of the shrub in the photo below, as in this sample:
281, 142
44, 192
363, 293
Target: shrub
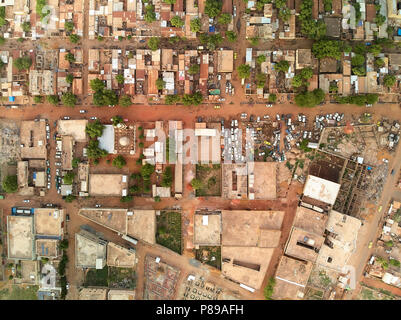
268, 291
231, 36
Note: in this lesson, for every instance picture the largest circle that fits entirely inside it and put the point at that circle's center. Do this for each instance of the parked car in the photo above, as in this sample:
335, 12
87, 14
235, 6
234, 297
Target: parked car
269, 105
67, 217
58, 164
83, 111
49, 205
392, 172
98, 205
66, 118
48, 185
25, 201
93, 118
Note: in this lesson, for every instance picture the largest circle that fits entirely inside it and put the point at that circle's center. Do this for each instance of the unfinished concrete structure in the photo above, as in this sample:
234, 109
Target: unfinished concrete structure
90, 250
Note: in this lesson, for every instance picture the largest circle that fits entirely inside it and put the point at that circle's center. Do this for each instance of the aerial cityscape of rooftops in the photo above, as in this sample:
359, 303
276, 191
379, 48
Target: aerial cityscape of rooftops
200, 149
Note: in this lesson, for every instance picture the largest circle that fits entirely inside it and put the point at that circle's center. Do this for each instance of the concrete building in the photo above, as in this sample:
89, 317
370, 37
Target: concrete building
90, 250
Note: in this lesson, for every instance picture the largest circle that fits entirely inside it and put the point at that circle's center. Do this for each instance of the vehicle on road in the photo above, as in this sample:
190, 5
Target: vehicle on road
269, 105
370, 245
142, 41
83, 111
98, 205
67, 217
58, 164
217, 106
380, 208
392, 172
66, 118
25, 201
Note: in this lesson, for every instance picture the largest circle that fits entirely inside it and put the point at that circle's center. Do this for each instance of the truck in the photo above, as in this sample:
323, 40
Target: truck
130, 239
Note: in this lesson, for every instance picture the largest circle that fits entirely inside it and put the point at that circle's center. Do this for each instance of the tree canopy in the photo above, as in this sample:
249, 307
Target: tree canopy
153, 43
23, 63
195, 25
213, 8
119, 162
53, 99
105, 97
327, 49
69, 99
10, 184
94, 129
282, 66
96, 84
231, 36
389, 80
176, 21
94, 152
310, 98
125, 101
192, 99
244, 71
224, 18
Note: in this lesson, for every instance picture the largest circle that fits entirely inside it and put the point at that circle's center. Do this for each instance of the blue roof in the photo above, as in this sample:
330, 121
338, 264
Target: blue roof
11, 99
212, 29
399, 32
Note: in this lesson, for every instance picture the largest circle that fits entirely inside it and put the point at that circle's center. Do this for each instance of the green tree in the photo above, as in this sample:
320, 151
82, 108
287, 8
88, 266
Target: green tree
125, 101
126, 199
69, 26
192, 99
153, 43
297, 81
380, 19
23, 63
70, 198
244, 71
96, 84
69, 177
2, 41
176, 21
379, 63
306, 73
327, 48
37, 99
40, 9
195, 25
260, 59
254, 41
94, 152
224, 18
213, 8
134, 188
117, 120
120, 79
69, 57
147, 170
284, 14
272, 98
194, 69
389, 80
231, 36
268, 291
310, 98
53, 99
74, 38
26, 26
372, 98
261, 80
69, 78
196, 184
157, 199
282, 66
75, 162
94, 129
69, 99
170, 1
10, 184
105, 97
119, 162
167, 179
150, 14
357, 60
375, 49
172, 99
160, 84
